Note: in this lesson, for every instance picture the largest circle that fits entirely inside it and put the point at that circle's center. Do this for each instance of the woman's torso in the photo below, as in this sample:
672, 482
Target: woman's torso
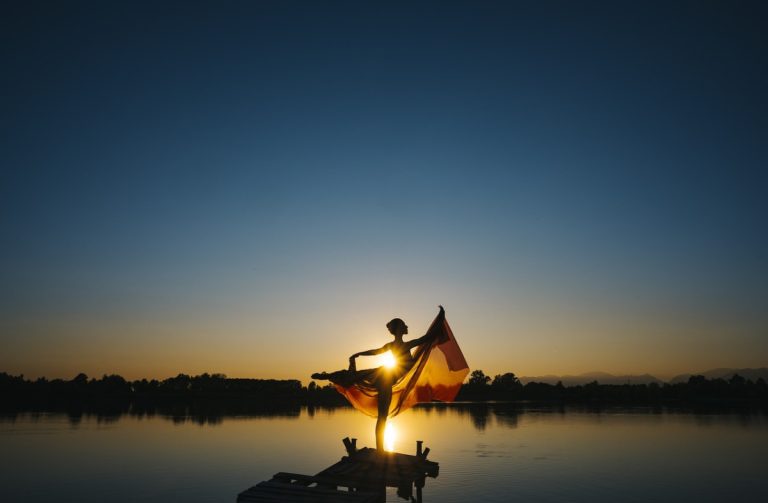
402, 354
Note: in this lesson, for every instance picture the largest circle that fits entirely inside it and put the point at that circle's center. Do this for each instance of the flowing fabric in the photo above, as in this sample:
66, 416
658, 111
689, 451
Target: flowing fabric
437, 372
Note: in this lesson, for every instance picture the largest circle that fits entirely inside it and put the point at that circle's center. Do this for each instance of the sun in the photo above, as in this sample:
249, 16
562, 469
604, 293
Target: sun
388, 360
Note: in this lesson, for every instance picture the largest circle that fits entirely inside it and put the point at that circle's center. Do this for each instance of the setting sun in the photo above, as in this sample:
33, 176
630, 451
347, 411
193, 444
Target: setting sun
388, 360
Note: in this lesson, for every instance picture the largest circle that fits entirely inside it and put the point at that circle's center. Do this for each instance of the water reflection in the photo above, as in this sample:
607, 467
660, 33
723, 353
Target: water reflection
481, 414
390, 435
486, 451
203, 413
506, 414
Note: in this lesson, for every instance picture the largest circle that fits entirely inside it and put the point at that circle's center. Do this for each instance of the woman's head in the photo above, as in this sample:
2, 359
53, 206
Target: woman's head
397, 327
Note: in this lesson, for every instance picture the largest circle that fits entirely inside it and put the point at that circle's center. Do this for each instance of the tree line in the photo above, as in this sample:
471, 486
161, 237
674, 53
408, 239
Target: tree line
240, 395
698, 390
179, 393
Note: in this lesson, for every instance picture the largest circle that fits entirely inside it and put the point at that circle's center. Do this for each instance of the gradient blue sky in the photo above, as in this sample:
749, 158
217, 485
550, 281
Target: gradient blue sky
256, 188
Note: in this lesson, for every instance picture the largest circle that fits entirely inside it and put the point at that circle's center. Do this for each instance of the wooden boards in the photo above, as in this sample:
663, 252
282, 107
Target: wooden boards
360, 477
368, 468
302, 489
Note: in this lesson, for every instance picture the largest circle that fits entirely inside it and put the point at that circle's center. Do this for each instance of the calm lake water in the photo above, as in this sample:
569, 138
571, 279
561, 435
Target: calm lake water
486, 453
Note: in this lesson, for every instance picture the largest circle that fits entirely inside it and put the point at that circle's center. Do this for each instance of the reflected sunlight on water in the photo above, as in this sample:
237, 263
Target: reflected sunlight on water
487, 452
390, 435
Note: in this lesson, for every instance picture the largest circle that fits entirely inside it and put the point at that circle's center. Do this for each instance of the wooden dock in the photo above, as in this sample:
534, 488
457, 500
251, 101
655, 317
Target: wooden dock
361, 476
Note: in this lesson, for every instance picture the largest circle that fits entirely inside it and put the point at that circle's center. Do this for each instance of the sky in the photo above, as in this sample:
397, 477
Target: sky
256, 188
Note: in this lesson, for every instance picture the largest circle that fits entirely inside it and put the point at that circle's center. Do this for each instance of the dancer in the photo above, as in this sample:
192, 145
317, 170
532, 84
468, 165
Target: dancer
388, 390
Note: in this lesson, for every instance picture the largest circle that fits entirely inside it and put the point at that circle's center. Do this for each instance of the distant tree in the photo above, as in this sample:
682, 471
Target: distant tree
737, 380
181, 382
113, 384
506, 386
506, 382
80, 380
478, 379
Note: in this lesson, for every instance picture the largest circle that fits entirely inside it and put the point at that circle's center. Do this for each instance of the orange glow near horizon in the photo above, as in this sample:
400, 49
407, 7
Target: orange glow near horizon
529, 344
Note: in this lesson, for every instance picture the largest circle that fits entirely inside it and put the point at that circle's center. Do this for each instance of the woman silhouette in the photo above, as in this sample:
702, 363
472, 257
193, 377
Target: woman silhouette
384, 377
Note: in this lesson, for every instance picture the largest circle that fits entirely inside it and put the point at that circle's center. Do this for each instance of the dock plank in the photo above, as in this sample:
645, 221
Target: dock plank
273, 491
360, 477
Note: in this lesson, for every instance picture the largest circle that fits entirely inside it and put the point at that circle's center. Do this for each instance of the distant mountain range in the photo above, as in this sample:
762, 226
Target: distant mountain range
751, 374
605, 378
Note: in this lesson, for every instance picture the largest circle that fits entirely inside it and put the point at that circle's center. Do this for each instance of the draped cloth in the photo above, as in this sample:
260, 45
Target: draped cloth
437, 372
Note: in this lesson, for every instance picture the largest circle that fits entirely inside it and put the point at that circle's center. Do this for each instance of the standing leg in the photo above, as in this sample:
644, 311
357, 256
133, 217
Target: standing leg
385, 399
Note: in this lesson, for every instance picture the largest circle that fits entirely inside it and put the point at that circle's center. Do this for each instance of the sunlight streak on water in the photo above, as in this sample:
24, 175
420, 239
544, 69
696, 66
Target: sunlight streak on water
390, 435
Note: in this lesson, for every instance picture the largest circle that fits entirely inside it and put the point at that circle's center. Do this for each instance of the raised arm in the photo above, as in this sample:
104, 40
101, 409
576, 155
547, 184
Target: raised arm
426, 337
418, 342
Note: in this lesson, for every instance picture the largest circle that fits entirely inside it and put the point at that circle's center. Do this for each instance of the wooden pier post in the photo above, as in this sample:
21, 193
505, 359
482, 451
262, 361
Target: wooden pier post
419, 490
350, 445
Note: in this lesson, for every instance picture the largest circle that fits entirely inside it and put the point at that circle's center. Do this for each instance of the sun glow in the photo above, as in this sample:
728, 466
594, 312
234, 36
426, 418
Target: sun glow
390, 435
388, 360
